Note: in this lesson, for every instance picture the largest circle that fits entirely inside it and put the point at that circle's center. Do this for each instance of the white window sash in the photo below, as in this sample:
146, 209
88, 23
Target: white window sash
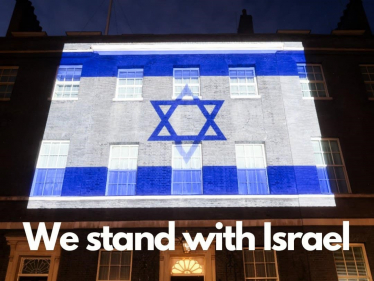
174, 148
256, 94
2, 95
307, 81
240, 168
110, 257
175, 96
50, 142
260, 278
64, 83
331, 153
368, 276
251, 144
174, 156
8, 67
127, 158
117, 97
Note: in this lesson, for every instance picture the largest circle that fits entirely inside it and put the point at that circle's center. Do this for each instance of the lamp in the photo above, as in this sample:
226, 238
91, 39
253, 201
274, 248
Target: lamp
185, 246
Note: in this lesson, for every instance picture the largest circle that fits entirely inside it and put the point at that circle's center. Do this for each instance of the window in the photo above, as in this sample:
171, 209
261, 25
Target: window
190, 266
187, 165
129, 84
331, 170
28, 265
312, 81
34, 267
186, 83
114, 266
50, 169
7, 77
368, 75
243, 82
352, 265
251, 165
121, 178
67, 82
260, 265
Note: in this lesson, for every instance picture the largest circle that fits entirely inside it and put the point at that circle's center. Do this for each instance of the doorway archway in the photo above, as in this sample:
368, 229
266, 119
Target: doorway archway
198, 265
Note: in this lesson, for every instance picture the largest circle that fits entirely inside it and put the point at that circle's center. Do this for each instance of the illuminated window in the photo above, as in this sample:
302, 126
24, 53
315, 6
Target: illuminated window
114, 266
67, 82
187, 266
129, 84
251, 165
7, 77
186, 83
312, 81
242, 82
368, 75
50, 169
187, 165
260, 265
121, 178
330, 166
352, 264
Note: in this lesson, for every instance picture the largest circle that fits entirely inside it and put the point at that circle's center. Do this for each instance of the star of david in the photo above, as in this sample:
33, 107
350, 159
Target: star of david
201, 136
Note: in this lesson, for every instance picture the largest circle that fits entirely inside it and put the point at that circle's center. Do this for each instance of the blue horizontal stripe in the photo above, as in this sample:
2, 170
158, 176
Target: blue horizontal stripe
281, 63
217, 180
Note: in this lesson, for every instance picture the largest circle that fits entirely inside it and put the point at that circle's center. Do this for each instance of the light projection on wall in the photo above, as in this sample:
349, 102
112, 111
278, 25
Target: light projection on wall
209, 110
187, 111
173, 136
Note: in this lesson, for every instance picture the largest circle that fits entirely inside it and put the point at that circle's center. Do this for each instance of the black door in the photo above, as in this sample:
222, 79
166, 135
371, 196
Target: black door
24, 278
187, 278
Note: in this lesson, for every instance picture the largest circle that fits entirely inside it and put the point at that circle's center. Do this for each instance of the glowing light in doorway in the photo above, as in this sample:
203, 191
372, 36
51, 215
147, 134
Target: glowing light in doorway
187, 266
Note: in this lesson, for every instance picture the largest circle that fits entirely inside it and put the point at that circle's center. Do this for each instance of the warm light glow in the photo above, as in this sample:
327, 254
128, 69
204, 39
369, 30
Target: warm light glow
186, 247
187, 266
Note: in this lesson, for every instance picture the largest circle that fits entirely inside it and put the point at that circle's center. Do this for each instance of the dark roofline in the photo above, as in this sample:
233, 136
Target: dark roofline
309, 40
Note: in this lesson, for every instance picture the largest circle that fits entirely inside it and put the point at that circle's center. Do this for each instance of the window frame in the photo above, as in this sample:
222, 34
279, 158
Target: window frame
264, 158
367, 82
116, 98
110, 158
260, 278
19, 248
8, 83
256, 95
172, 168
342, 157
21, 263
36, 165
328, 97
54, 98
362, 246
174, 97
98, 264
52, 141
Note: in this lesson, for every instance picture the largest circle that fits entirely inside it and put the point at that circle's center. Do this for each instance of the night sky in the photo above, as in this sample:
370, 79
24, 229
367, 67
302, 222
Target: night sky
184, 16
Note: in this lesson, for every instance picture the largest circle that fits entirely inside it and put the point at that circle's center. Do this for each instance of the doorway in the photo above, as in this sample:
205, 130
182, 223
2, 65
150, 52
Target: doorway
197, 265
187, 278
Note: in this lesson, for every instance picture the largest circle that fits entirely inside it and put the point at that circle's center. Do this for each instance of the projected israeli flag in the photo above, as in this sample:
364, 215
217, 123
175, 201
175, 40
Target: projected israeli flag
228, 118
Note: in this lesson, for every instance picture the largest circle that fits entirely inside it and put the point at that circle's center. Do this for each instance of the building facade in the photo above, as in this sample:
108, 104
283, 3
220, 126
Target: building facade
132, 132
